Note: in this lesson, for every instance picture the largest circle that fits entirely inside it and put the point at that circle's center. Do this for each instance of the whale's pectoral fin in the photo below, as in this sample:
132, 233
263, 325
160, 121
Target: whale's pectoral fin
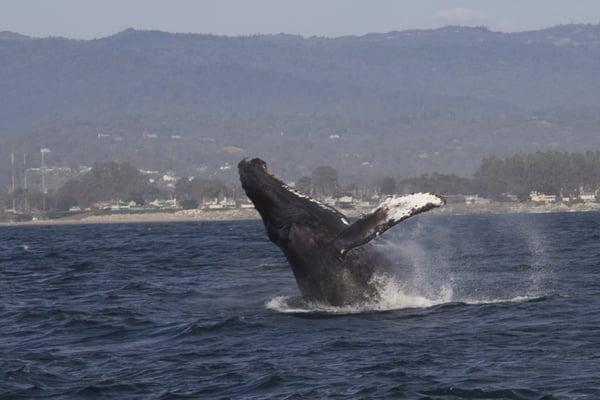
392, 211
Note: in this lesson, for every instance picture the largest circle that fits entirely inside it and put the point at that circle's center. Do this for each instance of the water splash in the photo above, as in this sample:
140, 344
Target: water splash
428, 275
538, 277
391, 295
541, 273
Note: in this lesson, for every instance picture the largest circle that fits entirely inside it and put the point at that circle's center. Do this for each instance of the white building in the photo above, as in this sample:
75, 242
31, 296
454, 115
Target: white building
587, 197
345, 201
475, 199
164, 204
538, 197
219, 204
363, 204
169, 177
147, 135
510, 197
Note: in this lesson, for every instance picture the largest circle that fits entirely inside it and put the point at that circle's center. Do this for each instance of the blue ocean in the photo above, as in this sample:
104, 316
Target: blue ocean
481, 307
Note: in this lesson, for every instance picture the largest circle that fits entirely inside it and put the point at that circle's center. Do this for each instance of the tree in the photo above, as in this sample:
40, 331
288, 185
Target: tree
208, 189
3, 199
37, 200
325, 180
105, 182
388, 185
183, 189
189, 204
547, 172
67, 196
304, 185
439, 183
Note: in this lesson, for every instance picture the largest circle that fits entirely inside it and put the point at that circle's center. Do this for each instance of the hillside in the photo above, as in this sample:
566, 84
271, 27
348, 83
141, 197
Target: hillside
398, 103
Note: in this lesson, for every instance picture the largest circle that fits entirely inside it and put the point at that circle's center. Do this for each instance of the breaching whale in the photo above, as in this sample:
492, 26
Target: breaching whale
332, 259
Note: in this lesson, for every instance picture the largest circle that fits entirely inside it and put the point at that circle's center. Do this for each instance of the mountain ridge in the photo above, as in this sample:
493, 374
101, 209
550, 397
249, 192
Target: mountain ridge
397, 103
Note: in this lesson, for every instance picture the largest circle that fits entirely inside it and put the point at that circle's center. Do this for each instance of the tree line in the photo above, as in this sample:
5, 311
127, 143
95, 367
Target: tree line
552, 172
548, 172
555, 173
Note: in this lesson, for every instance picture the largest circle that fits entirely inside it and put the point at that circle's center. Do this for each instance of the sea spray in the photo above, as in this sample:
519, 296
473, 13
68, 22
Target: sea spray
537, 276
390, 295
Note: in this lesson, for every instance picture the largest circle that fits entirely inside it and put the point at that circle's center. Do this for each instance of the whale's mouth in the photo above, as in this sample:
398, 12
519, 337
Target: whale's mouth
260, 185
254, 175
278, 204
265, 191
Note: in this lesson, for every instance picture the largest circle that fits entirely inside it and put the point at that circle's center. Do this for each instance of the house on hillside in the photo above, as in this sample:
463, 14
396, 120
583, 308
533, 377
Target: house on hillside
245, 204
345, 202
587, 196
476, 199
219, 204
169, 204
543, 198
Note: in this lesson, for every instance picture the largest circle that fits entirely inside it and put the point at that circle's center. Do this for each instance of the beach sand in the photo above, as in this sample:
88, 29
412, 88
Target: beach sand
252, 214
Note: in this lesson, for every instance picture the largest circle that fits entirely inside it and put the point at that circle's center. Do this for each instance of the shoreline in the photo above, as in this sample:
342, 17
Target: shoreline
152, 217
516, 208
252, 214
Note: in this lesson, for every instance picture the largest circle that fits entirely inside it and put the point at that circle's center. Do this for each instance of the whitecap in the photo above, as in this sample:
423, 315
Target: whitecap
391, 295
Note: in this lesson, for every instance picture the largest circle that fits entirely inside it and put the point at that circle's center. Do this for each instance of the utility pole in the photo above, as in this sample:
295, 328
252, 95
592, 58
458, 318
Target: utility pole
12, 164
44, 190
26, 204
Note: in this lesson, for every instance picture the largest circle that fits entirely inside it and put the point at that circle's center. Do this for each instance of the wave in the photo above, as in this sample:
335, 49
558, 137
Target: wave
236, 322
391, 295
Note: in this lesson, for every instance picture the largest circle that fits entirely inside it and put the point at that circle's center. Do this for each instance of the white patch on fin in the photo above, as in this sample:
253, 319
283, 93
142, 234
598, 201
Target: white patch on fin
392, 211
399, 208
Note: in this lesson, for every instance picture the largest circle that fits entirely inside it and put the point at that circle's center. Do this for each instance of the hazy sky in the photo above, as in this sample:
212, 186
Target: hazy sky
98, 18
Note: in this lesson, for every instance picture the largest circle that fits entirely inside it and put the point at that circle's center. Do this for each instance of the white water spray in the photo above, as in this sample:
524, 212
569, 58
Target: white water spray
428, 275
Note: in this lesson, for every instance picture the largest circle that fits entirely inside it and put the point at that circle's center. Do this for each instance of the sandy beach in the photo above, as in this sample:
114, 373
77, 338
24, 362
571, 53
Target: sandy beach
175, 216
246, 214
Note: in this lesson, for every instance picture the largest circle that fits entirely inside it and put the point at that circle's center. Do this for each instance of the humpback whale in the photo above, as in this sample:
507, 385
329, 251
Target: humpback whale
331, 258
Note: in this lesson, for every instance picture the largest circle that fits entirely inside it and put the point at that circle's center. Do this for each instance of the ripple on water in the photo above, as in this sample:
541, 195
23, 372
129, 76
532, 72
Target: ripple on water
486, 307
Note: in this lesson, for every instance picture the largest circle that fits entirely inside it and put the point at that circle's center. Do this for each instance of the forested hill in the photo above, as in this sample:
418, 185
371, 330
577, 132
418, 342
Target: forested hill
395, 103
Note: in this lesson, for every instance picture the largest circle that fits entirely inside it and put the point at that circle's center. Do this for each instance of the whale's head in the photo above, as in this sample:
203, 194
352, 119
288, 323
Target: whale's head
279, 205
270, 197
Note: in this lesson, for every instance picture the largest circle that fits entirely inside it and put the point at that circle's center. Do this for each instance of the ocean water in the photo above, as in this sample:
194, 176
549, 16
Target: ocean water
483, 307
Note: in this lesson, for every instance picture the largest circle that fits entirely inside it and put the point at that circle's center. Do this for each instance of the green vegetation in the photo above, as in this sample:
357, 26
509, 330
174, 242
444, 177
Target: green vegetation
199, 190
105, 182
388, 185
553, 173
322, 182
28, 199
547, 172
440, 183
3, 199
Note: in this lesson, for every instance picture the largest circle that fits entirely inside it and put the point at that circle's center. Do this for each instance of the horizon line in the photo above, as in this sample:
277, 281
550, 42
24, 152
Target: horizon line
481, 27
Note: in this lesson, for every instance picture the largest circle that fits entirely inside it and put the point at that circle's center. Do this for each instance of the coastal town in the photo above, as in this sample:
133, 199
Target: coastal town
119, 191
223, 207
